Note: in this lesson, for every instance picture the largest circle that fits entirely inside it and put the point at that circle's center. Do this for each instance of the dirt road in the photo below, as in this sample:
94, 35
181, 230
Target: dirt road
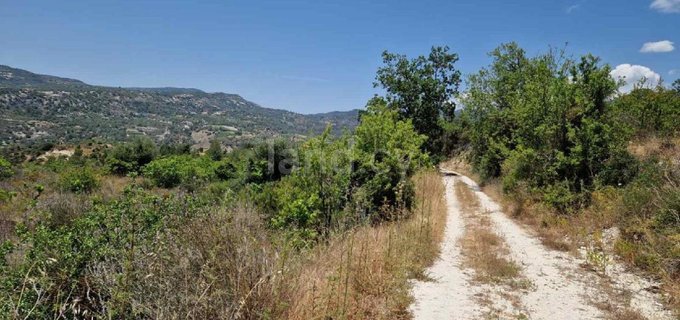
558, 286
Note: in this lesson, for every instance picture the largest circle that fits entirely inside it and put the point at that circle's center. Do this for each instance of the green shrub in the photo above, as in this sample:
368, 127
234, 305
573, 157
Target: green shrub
561, 197
165, 172
620, 169
6, 196
651, 219
271, 161
79, 180
77, 158
84, 269
648, 111
543, 122
386, 153
132, 156
56, 164
185, 170
5, 169
226, 170
521, 166
668, 216
310, 198
300, 211
370, 174
215, 151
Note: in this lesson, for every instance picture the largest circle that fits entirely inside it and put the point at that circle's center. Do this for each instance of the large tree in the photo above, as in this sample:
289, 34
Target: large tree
422, 89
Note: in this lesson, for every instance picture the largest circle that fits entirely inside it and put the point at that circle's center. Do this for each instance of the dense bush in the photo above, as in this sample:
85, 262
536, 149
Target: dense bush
79, 180
648, 111
166, 172
651, 219
341, 184
215, 151
174, 149
66, 265
5, 169
312, 196
226, 170
543, 123
270, 161
386, 153
132, 156
184, 170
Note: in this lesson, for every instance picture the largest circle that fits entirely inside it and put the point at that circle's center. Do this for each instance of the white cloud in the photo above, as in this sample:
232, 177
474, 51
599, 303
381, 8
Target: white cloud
659, 46
668, 6
633, 74
674, 72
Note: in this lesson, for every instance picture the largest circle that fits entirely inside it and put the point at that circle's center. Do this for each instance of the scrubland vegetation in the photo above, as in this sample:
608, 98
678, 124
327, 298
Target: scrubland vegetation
133, 232
334, 226
578, 159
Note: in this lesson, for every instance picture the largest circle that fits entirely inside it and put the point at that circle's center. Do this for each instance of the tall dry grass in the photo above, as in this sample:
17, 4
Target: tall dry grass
364, 273
226, 264
220, 265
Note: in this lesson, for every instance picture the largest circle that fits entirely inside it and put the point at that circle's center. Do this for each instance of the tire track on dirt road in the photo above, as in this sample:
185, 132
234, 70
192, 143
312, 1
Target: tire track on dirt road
560, 287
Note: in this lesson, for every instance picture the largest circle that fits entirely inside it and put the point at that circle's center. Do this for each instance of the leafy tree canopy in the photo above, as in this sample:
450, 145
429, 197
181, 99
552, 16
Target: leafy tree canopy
423, 90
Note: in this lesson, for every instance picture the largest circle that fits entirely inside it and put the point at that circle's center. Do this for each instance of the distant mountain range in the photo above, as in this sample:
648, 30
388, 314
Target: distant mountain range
37, 108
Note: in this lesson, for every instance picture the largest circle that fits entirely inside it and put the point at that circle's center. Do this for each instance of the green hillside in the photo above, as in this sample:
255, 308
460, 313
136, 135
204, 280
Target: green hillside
38, 109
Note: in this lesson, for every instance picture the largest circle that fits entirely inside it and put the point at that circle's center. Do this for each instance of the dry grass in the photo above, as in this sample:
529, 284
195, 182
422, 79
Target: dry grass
112, 186
626, 315
218, 265
225, 264
652, 146
588, 227
559, 232
484, 250
364, 273
585, 229
36, 194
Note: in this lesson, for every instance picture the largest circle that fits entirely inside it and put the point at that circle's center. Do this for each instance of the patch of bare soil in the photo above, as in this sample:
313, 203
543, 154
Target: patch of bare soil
491, 267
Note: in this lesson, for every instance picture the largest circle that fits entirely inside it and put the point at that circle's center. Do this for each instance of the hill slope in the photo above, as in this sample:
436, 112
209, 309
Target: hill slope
38, 108
12, 77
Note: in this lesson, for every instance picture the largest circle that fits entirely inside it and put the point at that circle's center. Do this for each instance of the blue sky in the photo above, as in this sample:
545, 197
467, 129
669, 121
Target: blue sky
317, 55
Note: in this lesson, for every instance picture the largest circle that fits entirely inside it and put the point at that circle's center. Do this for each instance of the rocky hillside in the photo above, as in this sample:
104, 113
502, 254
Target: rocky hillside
36, 109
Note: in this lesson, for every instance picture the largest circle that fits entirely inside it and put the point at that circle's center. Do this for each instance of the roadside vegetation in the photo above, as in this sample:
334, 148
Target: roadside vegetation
137, 231
333, 226
587, 166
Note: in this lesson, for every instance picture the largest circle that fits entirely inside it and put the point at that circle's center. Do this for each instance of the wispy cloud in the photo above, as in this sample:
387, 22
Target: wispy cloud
573, 8
667, 6
674, 72
657, 47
